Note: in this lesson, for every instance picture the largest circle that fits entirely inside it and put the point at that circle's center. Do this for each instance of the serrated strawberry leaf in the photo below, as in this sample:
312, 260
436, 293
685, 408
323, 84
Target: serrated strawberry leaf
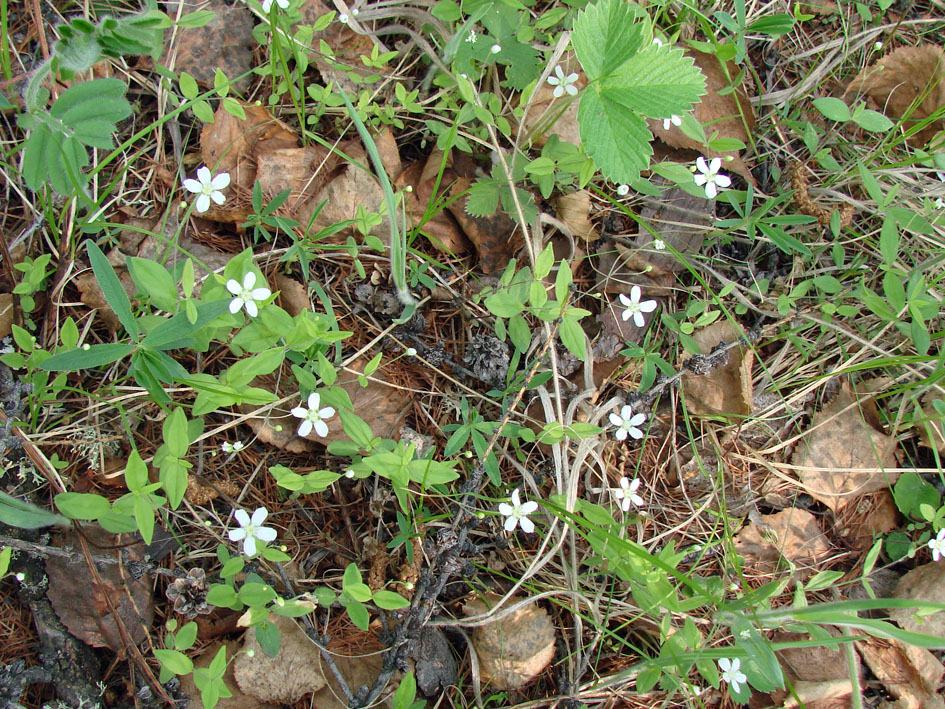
658, 82
617, 139
605, 36
483, 198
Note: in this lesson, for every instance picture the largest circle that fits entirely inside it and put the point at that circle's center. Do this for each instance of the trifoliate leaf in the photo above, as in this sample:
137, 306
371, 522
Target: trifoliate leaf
658, 82
605, 36
616, 138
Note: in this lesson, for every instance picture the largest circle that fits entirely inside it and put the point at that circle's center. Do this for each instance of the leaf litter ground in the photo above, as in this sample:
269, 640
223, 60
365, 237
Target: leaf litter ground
776, 442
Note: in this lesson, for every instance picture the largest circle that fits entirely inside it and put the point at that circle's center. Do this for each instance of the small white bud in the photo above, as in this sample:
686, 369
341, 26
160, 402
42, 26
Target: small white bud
19, 576
411, 352
878, 46
250, 653
496, 48
86, 347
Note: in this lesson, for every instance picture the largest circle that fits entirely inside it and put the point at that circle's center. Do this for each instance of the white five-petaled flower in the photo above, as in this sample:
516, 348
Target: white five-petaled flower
673, 120
232, 447
710, 178
517, 513
939, 203
563, 83
267, 5
471, 37
659, 244
626, 494
731, 672
634, 308
628, 423
251, 529
623, 190
207, 187
313, 418
246, 295
937, 545
745, 634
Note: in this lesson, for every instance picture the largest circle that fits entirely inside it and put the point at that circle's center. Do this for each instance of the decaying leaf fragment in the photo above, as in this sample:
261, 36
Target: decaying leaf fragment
791, 533
909, 84
845, 454
496, 237
725, 390
924, 583
910, 674
514, 649
85, 606
574, 209
289, 675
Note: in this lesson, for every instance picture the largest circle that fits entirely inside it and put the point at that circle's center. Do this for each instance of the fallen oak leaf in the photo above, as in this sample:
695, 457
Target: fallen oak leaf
908, 84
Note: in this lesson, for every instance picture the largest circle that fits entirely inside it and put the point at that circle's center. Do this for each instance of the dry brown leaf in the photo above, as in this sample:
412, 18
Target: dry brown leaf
238, 700
843, 456
225, 42
725, 390
515, 649
227, 144
902, 77
496, 237
442, 229
84, 606
6, 314
350, 188
931, 431
911, 674
819, 675
924, 583
819, 7
434, 664
730, 115
347, 48
863, 518
791, 533
680, 220
293, 296
389, 152
285, 678
574, 209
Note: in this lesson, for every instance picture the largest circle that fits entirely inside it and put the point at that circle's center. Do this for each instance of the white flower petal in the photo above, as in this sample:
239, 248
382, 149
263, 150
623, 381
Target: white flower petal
235, 305
192, 185
314, 399
571, 89
299, 412
203, 174
251, 308
700, 179
639, 320
636, 421
321, 428
616, 420
715, 164
242, 517
505, 509
527, 525
221, 181
260, 293
723, 180
701, 166
528, 507
202, 204
636, 433
249, 546
635, 294
234, 286
266, 534
725, 664
510, 524
327, 412
515, 501
626, 412
558, 92
710, 190
236, 535
637, 500
648, 306
217, 197
620, 434
259, 516
305, 428
249, 280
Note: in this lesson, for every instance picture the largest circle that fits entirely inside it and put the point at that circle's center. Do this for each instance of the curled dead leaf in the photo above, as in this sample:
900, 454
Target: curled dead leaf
725, 390
910, 674
906, 84
791, 533
574, 209
442, 229
514, 649
843, 456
